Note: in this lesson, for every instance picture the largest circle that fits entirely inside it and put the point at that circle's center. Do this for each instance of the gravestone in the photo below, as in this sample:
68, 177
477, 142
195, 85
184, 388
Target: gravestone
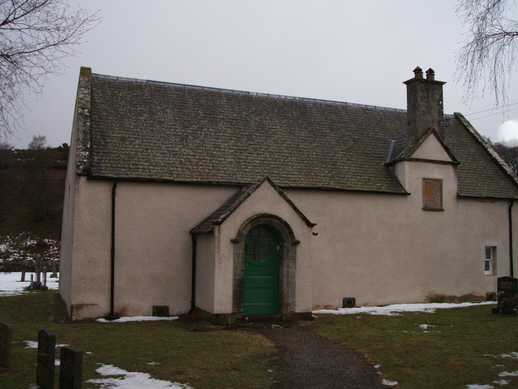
35, 285
507, 295
71, 368
44, 286
6, 341
54, 270
46, 359
31, 285
37, 267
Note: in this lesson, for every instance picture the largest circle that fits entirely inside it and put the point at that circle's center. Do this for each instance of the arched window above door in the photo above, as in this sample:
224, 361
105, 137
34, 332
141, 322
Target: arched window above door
261, 243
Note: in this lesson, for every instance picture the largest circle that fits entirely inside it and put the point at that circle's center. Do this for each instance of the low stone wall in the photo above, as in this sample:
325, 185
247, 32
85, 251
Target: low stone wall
28, 266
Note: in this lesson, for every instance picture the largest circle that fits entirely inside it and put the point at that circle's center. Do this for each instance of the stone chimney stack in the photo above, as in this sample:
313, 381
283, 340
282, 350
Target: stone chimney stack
424, 105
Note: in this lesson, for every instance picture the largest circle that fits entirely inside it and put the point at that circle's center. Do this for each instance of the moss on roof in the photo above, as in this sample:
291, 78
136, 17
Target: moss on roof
143, 130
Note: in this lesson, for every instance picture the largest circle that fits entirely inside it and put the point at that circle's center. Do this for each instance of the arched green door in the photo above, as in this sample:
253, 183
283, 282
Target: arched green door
261, 273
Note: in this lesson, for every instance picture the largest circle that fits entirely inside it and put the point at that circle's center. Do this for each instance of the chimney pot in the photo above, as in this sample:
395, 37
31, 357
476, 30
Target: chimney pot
418, 72
430, 75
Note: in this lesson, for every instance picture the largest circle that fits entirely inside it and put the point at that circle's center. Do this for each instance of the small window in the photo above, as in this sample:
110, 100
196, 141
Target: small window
490, 261
432, 195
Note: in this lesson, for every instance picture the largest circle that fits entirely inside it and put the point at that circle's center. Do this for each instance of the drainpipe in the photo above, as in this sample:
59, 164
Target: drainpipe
112, 277
511, 257
193, 280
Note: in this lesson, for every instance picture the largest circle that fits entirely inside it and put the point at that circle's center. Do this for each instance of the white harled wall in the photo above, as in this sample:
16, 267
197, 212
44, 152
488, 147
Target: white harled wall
384, 249
378, 248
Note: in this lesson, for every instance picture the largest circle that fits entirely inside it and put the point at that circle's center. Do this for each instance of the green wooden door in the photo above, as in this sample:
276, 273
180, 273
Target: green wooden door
261, 275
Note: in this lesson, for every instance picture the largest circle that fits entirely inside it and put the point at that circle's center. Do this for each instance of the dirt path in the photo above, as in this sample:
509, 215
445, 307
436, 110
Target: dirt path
308, 360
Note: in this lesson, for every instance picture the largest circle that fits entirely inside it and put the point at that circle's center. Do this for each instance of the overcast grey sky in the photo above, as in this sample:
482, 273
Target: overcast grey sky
354, 51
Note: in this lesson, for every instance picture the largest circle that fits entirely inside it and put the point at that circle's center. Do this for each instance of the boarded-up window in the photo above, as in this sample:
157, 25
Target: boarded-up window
432, 195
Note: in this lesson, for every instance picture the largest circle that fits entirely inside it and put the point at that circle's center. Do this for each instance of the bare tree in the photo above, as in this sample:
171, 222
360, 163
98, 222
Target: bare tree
38, 162
508, 154
38, 142
488, 56
35, 37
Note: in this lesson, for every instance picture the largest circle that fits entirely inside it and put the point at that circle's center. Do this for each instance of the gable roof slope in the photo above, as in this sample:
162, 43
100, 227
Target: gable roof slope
145, 130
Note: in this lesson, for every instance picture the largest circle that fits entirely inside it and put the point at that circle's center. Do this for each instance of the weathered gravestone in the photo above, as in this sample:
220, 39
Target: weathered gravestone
6, 341
46, 359
507, 295
35, 285
71, 368
37, 267
54, 270
44, 286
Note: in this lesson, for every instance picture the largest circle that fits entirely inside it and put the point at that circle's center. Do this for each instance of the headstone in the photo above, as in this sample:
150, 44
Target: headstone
71, 368
23, 276
54, 273
507, 295
37, 267
44, 287
6, 341
46, 359
31, 285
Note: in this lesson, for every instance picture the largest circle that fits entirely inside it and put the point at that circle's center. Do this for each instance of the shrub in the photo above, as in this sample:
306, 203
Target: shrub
472, 297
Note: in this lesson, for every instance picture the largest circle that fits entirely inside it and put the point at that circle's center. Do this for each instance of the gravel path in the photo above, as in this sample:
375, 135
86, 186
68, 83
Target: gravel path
308, 360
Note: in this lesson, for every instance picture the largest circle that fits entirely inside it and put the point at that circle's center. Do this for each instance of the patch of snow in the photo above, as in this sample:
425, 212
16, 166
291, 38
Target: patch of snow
397, 309
425, 326
389, 383
153, 363
10, 284
477, 386
31, 344
508, 374
513, 355
129, 380
127, 319
501, 382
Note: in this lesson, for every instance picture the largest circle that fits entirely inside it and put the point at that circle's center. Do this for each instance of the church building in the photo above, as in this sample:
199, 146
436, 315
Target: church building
239, 205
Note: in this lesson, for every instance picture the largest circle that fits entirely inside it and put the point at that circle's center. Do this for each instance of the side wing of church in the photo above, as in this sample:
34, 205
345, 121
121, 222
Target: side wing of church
237, 205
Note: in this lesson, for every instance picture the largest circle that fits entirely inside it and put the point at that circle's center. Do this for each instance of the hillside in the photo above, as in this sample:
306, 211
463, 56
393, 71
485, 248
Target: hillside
32, 185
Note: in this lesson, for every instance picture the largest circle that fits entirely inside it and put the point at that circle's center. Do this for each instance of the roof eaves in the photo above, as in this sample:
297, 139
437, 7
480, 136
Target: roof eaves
286, 198
250, 190
223, 212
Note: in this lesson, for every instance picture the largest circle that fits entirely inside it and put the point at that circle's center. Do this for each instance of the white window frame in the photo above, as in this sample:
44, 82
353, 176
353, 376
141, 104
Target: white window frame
490, 261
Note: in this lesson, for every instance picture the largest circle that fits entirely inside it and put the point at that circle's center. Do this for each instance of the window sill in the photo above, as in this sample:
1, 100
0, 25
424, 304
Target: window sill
433, 209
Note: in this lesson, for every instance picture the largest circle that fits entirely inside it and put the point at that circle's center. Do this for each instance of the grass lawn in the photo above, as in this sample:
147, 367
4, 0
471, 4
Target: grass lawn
215, 359
451, 348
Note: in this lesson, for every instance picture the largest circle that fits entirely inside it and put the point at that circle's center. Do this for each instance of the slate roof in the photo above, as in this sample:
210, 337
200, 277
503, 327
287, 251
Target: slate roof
144, 130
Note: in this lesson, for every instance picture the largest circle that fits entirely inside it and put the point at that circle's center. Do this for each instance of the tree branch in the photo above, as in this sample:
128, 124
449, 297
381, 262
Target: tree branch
35, 37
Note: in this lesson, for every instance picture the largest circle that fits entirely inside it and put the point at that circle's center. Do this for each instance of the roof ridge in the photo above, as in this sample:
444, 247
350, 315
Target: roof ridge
242, 92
